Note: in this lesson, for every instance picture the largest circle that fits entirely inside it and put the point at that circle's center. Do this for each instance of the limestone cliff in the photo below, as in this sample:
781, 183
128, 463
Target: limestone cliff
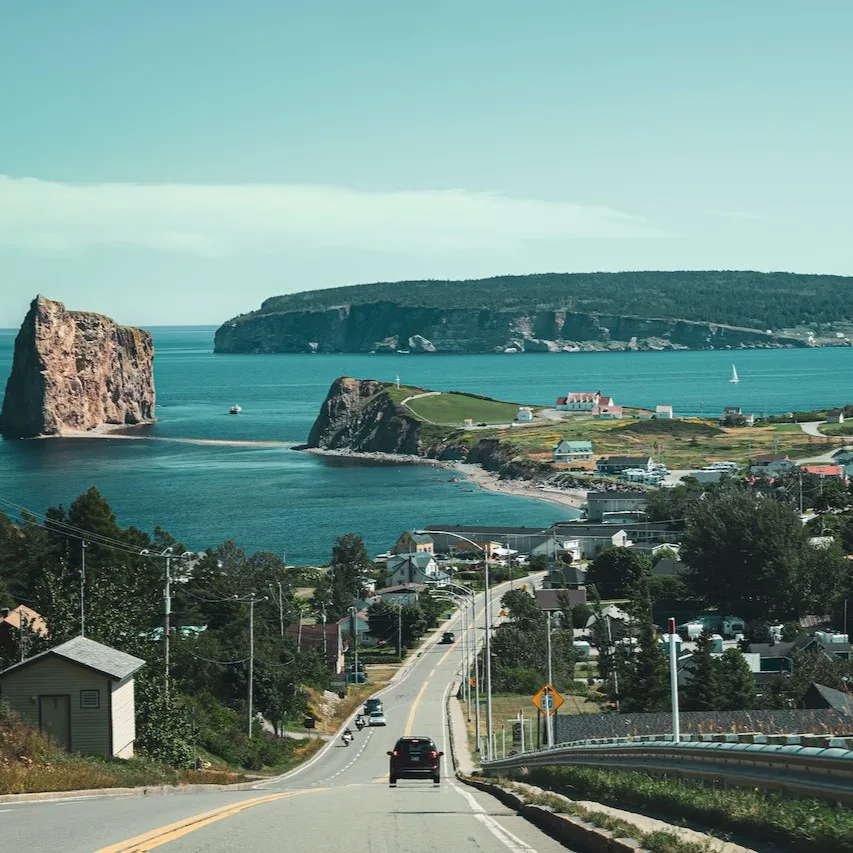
359, 415
75, 371
390, 327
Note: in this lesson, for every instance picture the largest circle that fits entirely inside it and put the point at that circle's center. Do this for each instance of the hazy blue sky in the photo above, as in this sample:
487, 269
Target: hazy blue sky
177, 161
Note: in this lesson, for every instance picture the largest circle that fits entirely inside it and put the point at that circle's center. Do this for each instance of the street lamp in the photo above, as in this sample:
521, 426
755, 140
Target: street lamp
463, 601
487, 650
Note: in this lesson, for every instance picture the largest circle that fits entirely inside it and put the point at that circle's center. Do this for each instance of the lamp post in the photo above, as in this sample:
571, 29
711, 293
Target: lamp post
487, 648
463, 602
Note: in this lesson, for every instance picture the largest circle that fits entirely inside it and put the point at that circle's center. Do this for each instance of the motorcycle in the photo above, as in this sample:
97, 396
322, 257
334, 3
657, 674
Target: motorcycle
347, 738
359, 724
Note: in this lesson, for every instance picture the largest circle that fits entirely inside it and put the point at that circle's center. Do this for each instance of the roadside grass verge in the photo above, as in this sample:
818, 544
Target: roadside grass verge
658, 841
806, 825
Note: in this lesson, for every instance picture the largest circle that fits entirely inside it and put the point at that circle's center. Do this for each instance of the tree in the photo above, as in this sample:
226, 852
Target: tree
644, 674
522, 607
615, 572
736, 682
750, 556
703, 690
539, 563
349, 567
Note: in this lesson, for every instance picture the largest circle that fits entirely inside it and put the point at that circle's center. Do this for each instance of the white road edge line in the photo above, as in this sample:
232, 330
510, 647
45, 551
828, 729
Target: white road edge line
512, 842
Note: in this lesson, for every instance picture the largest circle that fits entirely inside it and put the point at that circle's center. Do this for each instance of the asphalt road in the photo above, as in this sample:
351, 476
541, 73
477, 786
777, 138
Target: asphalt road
339, 801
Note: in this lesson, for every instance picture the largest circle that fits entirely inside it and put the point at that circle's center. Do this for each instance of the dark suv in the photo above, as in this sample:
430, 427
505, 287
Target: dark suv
415, 758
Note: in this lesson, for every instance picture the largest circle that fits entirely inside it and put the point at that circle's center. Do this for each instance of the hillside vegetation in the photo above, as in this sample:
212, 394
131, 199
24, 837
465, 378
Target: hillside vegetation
739, 298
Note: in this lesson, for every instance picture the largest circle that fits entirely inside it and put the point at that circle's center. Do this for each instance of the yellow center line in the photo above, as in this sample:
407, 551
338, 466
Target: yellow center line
164, 834
414, 708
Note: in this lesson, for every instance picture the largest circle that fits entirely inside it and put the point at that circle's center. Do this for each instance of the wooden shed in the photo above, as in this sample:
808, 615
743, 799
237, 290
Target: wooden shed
80, 693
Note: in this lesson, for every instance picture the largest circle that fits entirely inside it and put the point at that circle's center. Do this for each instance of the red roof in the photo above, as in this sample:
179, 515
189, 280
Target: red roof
561, 401
825, 470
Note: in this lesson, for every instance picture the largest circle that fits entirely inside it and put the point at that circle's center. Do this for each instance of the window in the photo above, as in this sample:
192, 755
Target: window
90, 699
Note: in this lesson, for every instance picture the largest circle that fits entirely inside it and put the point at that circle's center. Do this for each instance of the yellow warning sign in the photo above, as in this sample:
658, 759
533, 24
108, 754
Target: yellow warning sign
547, 700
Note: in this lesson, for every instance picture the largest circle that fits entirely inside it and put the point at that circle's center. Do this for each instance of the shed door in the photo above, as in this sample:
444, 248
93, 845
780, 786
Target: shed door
55, 718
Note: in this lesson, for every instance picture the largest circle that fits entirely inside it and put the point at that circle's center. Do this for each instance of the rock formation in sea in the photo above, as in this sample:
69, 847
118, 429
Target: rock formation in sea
75, 371
361, 416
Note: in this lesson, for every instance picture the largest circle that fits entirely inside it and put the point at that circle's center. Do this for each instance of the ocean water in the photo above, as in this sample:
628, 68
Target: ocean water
270, 497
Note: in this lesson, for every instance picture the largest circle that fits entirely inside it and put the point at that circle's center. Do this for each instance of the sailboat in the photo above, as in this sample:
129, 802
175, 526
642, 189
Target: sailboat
734, 375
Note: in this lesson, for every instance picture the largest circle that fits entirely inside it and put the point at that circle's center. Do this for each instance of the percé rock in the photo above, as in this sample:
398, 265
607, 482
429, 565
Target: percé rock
359, 415
387, 326
75, 371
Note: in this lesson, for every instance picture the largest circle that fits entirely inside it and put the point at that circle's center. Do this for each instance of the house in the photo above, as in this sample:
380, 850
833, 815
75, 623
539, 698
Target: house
357, 621
328, 638
416, 567
402, 595
608, 412
525, 415
411, 542
521, 539
555, 599
826, 472
10, 626
618, 464
734, 416
567, 452
780, 657
561, 576
650, 549
821, 696
578, 401
611, 613
836, 416
468, 423
666, 567
81, 693
771, 464
639, 531
663, 412
602, 506
555, 547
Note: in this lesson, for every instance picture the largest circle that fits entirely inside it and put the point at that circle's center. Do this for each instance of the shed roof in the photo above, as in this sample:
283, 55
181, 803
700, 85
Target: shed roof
91, 655
31, 619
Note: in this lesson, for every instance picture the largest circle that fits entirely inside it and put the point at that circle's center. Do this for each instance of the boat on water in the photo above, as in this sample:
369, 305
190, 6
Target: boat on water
235, 410
734, 375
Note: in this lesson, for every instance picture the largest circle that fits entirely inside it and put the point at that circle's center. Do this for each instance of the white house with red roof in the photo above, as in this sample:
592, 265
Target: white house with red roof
579, 401
826, 471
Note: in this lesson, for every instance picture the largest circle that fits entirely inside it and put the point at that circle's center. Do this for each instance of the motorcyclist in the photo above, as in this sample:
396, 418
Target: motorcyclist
347, 736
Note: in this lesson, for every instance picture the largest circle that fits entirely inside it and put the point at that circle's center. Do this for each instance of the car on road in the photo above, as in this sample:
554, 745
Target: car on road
448, 637
414, 758
372, 705
377, 718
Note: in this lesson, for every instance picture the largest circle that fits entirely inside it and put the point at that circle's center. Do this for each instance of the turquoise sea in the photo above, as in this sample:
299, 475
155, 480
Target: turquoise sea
273, 498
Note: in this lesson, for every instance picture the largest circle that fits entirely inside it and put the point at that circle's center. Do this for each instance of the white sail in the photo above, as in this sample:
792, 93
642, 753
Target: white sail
734, 375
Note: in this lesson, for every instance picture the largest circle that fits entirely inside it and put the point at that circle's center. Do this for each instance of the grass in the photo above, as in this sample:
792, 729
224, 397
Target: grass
505, 707
836, 429
31, 763
801, 824
452, 409
658, 841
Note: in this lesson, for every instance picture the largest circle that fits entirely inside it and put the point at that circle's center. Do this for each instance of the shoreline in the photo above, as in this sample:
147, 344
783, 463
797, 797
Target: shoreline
475, 474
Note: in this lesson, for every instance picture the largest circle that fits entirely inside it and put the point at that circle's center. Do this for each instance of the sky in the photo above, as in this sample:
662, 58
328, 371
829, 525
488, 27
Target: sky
176, 162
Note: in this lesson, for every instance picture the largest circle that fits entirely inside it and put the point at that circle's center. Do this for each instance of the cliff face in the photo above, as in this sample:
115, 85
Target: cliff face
74, 371
388, 326
358, 415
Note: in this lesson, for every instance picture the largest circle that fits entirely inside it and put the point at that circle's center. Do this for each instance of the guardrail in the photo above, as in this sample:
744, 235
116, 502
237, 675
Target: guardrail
801, 765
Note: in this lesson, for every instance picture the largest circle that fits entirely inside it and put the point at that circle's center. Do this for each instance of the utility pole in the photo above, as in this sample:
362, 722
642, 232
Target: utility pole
488, 653
280, 611
476, 698
325, 645
252, 602
167, 619
83, 546
22, 629
400, 631
549, 719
